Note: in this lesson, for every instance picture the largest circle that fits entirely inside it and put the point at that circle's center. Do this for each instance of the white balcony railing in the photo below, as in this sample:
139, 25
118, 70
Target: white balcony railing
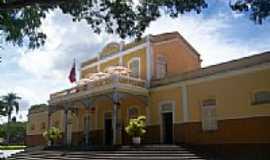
111, 80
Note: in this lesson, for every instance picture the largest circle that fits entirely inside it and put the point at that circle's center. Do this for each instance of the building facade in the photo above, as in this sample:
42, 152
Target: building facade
227, 103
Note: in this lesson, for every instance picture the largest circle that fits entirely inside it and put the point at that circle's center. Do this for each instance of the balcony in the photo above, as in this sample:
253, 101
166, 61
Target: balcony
105, 84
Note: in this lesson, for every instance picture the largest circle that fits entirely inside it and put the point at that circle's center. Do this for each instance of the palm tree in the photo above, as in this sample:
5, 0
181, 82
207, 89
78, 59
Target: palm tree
2, 108
10, 103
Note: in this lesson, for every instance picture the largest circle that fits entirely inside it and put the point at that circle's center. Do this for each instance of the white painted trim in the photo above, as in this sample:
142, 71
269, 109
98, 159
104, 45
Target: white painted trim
135, 59
149, 61
184, 99
161, 121
214, 77
164, 42
121, 53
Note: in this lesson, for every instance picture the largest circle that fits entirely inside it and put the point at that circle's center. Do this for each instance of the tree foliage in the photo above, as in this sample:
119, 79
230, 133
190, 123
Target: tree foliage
259, 9
17, 131
10, 104
20, 20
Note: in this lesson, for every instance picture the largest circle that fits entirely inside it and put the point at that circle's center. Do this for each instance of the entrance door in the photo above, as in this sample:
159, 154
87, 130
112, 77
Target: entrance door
167, 122
108, 131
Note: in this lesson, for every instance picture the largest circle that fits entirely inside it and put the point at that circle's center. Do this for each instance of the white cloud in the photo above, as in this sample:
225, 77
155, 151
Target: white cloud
65, 41
209, 37
35, 74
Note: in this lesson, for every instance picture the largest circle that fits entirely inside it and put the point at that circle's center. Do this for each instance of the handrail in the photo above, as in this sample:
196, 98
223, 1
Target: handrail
112, 79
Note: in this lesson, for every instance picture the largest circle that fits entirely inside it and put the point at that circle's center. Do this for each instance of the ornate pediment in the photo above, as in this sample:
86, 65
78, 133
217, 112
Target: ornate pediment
110, 49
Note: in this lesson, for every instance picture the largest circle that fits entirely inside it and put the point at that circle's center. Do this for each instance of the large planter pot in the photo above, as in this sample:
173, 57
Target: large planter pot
136, 140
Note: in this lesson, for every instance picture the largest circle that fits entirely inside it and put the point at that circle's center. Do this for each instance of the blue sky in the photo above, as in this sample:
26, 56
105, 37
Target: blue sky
218, 34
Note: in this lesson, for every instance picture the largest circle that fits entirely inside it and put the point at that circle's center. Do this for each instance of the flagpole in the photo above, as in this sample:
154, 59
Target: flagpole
75, 83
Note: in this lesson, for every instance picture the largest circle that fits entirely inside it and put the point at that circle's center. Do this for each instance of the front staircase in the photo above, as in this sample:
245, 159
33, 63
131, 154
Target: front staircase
151, 152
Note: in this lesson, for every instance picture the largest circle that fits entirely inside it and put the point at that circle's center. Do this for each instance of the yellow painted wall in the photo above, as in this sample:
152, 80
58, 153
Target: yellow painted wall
142, 55
107, 64
139, 53
233, 95
158, 97
179, 57
105, 105
37, 119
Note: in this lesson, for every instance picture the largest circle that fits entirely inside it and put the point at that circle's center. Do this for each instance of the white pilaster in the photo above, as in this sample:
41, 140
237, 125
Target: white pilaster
114, 121
185, 109
98, 65
149, 60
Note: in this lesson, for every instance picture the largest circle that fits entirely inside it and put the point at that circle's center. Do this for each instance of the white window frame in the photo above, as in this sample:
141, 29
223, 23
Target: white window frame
209, 123
135, 59
158, 67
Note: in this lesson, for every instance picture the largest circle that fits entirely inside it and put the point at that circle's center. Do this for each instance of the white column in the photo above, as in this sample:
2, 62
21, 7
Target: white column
114, 121
185, 109
149, 56
87, 127
65, 126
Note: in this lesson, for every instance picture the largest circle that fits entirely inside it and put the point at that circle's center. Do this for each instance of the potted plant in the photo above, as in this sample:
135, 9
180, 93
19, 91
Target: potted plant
136, 129
52, 135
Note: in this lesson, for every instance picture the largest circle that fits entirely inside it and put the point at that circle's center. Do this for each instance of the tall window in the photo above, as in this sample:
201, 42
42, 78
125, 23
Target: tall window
209, 118
134, 66
161, 66
132, 112
262, 97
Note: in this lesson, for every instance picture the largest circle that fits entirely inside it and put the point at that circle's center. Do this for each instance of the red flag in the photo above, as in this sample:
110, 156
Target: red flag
72, 74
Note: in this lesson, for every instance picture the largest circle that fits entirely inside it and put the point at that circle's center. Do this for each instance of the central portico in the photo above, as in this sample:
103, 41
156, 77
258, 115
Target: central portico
102, 90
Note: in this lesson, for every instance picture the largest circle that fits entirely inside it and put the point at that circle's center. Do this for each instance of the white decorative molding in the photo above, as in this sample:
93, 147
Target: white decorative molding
117, 55
135, 59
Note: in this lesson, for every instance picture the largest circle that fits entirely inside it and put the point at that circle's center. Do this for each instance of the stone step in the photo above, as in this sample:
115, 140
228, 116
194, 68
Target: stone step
151, 152
112, 158
110, 155
106, 152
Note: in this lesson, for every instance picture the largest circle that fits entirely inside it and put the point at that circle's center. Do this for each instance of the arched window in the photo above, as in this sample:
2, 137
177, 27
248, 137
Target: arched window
161, 66
133, 112
134, 66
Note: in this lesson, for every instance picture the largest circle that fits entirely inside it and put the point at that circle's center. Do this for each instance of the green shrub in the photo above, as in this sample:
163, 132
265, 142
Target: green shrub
52, 135
136, 127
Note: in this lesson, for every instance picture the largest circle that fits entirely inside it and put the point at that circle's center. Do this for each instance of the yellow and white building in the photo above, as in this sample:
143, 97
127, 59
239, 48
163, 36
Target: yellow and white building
160, 76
